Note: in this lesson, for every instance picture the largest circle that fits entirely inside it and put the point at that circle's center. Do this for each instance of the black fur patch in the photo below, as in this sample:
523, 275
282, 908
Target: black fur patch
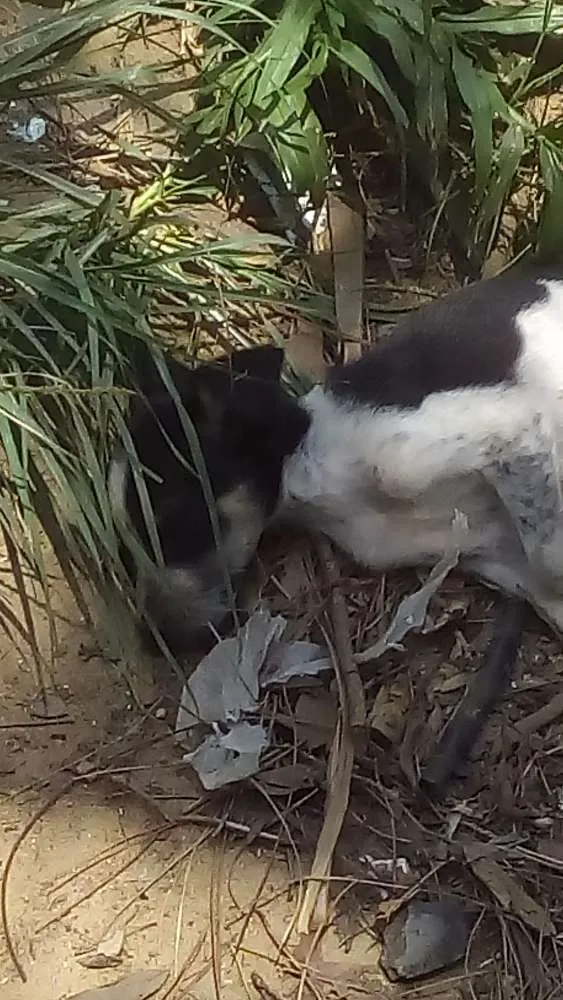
254, 426
468, 338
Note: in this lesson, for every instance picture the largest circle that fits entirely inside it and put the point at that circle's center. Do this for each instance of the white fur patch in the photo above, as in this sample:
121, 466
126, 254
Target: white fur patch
245, 522
541, 360
384, 483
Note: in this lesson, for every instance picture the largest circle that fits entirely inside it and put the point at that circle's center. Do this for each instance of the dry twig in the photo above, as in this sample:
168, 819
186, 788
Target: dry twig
314, 910
354, 703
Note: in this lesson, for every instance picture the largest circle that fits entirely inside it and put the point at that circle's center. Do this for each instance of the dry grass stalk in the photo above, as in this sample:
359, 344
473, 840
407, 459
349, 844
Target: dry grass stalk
314, 911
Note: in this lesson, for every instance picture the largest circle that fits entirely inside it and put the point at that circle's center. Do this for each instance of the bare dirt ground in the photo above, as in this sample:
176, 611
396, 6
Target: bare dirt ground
107, 881
99, 862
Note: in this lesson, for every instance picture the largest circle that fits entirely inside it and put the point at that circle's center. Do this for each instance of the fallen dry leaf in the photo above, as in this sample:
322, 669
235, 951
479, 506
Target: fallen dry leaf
112, 946
316, 713
387, 908
94, 960
137, 986
511, 895
455, 609
389, 712
447, 680
292, 576
108, 953
290, 778
51, 706
314, 909
552, 849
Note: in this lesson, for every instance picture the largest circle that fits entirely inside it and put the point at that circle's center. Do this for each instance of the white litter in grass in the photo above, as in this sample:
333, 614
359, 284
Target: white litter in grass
226, 682
412, 610
30, 131
223, 758
226, 686
386, 866
295, 659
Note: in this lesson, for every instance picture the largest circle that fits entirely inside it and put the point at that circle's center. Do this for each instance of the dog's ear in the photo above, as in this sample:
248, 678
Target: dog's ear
204, 391
263, 362
214, 384
262, 422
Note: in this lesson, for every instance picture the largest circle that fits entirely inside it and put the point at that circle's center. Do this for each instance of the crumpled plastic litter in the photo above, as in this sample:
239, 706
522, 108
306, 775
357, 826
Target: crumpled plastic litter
225, 687
412, 610
30, 131
223, 758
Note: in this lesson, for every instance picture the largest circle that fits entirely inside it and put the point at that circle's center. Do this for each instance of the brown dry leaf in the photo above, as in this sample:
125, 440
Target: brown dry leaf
290, 778
552, 849
51, 706
137, 986
98, 961
447, 680
316, 714
304, 350
461, 648
542, 717
387, 909
455, 609
355, 982
389, 712
511, 895
107, 954
434, 723
413, 743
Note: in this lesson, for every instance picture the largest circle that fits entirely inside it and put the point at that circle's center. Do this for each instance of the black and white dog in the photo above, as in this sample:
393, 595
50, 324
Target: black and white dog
459, 409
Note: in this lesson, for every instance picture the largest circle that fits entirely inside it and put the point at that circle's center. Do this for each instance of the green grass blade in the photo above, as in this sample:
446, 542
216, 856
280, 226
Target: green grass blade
360, 62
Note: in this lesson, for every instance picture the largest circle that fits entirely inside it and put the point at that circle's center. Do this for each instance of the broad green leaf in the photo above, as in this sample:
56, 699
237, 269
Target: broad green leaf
391, 28
295, 134
553, 132
362, 64
475, 86
430, 97
283, 46
551, 230
86, 296
406, 14
83, 196
510, 153
506, 19
313, 68
335, 18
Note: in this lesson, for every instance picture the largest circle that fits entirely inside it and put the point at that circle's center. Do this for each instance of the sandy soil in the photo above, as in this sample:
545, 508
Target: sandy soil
99, 861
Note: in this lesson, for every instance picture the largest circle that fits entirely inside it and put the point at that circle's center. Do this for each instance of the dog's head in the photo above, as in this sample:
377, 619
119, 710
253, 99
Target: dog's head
243, 425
